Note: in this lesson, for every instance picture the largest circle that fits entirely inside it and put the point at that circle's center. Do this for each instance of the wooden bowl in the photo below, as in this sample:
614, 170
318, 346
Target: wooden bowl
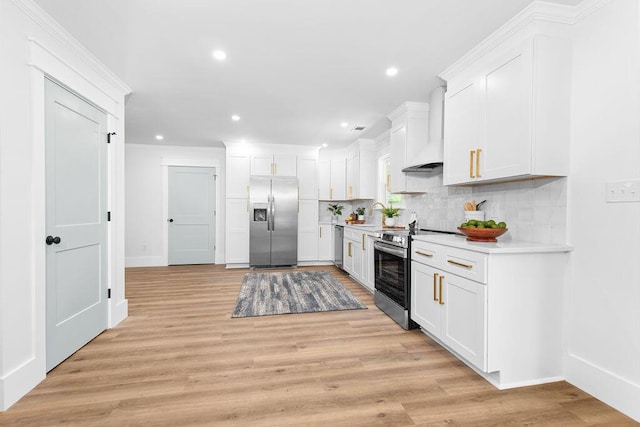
482, 234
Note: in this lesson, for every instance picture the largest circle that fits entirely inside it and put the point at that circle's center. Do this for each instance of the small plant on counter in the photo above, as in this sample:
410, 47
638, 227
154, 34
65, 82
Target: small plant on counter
391, 212
360, 211
336, 210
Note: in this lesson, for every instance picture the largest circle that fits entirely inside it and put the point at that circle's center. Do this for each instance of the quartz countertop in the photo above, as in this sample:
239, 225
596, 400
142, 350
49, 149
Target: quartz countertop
368, 227
499, 247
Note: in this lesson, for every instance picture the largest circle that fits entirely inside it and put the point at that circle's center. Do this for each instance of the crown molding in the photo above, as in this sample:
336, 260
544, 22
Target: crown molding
62, 36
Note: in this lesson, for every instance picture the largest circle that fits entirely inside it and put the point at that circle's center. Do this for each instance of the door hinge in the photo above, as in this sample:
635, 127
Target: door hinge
108, 216
109, 293
109, 137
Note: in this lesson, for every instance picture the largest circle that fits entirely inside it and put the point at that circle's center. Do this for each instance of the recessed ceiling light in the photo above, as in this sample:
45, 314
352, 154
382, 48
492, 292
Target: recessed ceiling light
392, 71
219, 55
344, 124
325, 145
235, 117
159, 137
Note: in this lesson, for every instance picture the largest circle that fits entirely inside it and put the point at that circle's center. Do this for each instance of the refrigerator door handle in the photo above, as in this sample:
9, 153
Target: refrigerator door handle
269, 212
273, 213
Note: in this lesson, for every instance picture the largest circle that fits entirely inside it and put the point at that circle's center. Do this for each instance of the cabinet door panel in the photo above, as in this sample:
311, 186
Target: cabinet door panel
284, 164
238, 176
465, 319
237, 233
356, 250
347, 256
461, 134
507, 142
338, 180
308, 230
324, 180
397, 142
307, 178
262, 164
325, 242
425, 311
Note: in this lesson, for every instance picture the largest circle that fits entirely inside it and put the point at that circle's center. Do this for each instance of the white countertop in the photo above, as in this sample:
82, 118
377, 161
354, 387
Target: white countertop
500, 247
367, 228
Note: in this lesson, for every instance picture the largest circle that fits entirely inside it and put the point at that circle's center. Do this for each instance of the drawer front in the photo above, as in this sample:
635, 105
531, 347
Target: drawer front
351, 234
427, 253
469, 264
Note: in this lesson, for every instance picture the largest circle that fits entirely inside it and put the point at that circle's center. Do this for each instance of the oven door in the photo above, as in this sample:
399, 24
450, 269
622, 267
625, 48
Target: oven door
391, 272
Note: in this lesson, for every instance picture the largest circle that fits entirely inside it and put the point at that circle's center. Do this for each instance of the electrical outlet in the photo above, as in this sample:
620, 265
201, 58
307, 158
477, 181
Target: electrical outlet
623, 191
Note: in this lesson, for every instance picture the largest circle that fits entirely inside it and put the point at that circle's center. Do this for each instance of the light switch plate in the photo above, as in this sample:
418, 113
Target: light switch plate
623, 191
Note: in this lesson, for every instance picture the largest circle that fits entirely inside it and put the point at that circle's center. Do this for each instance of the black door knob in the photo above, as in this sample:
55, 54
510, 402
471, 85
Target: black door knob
170, 219
51, 240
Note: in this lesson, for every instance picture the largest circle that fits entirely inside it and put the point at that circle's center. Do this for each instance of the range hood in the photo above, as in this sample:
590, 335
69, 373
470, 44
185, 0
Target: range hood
429, 161
433, 168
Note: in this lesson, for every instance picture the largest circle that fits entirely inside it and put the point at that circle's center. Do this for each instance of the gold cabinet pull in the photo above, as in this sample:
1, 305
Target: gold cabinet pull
478, 151
349, 251
450, 261
440, 301
275, 169
388, 182
471, 175
435, 281
363, 243
350, 192
424, 254
320, 231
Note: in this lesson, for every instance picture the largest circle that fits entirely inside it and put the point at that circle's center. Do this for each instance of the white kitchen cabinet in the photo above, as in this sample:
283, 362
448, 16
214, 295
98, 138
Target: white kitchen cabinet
507, 106
237, 169
332, 178
358, 255
307, 230
361, 175
273, 164
451, 308
307, 170
497, 307
237, 231
408, 141
325, 242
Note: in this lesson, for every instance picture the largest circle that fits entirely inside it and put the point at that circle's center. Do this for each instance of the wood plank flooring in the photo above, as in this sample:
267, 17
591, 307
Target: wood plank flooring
180, 359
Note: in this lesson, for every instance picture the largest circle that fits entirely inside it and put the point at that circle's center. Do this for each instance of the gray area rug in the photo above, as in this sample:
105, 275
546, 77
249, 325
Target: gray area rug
263, 294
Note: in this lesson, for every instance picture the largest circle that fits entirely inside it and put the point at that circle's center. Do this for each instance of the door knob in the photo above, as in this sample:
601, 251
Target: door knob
51, 240
170, 219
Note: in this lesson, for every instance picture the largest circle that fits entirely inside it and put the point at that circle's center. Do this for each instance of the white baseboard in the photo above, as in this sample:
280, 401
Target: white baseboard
144, 261
237, 265
618, 392
20, 381
118, 313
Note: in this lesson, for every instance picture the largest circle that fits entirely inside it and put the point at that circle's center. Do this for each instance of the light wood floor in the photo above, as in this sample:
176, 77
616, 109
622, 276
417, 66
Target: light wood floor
179, 359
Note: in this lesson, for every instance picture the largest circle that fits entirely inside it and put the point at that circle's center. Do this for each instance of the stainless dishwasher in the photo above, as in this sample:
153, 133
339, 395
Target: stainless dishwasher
338, 235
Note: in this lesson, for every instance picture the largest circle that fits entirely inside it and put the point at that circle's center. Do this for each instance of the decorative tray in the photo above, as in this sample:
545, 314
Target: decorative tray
354, 221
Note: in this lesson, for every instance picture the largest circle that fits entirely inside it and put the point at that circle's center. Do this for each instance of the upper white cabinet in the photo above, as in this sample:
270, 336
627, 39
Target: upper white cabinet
307, 177
408, 141
361, 170
273, 164
507, 104
332, 177
238, 169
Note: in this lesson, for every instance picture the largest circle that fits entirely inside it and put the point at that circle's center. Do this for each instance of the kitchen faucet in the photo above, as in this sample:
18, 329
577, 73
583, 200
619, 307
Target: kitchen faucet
371, 210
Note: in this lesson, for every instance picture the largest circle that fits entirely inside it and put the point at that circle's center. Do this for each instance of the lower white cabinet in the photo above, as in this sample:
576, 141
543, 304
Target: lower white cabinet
237, 231
325, 242
451, 308
358, 255
307, 230
497, 307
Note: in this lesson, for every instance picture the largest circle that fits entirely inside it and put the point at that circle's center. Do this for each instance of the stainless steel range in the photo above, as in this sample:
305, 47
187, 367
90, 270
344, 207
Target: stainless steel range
392, 263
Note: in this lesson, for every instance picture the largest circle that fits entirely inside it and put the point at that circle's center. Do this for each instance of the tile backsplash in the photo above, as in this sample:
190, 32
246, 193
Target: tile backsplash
534, 210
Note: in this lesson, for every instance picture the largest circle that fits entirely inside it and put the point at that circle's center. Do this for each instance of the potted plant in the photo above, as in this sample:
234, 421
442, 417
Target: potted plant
336, 211
360, 211
389, 215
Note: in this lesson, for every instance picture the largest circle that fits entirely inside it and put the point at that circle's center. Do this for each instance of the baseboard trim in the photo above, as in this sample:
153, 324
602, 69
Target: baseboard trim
20, 381
118, 313
145, 261
604, 385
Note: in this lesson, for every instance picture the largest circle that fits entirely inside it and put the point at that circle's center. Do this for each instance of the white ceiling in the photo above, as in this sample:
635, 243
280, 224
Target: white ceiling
295, 69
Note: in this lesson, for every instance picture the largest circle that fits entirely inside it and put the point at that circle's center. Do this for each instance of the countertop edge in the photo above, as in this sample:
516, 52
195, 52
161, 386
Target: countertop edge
501, 247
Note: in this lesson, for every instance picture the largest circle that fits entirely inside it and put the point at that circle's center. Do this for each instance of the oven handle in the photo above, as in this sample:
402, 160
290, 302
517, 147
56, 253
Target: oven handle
390, 249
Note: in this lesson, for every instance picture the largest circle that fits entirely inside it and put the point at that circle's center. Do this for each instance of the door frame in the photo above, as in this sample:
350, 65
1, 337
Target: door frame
198, 163
102, 91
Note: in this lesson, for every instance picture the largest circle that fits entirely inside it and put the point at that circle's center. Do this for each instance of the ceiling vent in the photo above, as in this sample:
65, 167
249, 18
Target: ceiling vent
358, 129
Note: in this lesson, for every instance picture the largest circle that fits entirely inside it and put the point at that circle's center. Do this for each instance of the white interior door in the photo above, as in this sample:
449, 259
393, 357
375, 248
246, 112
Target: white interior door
76, 222
191, 221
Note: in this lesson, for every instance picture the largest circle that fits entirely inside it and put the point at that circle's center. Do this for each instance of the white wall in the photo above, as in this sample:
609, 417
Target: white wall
32, 46
146, 220
603, 299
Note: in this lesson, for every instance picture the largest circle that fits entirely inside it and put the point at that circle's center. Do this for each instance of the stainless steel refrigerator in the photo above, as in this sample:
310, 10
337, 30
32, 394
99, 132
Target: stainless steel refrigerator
273, 230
